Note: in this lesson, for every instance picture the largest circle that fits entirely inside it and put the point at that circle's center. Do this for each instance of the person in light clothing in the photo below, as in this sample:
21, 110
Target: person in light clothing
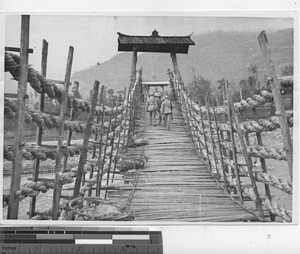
152, 107
167, 111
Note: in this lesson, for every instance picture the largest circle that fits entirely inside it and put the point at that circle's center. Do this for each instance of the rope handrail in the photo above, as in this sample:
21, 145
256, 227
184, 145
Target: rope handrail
191, 117
41, 84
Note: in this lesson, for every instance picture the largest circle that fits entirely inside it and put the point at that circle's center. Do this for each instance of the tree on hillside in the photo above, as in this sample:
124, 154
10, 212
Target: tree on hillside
287, 70
252, 69
199, 88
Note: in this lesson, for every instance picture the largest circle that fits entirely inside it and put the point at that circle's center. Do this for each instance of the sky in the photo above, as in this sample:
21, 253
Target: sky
94, 38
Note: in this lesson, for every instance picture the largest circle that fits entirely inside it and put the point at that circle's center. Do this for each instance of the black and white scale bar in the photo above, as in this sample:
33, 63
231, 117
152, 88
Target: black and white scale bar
80, 240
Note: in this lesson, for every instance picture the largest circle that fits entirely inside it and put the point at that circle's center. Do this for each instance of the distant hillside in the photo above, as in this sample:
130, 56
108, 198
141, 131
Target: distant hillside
216, 55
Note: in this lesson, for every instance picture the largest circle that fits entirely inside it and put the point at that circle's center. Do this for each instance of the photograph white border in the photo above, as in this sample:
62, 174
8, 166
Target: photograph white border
206, 237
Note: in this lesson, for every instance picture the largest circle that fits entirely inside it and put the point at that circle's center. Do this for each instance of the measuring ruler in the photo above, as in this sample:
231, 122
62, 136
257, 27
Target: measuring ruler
21, 240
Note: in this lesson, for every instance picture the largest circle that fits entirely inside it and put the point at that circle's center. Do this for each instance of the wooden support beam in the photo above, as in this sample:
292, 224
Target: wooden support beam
13, 95
99, 169
219, 146
211, 134
234, 153
133, 67
112, 149
87, 133
249, 162
119, 137
57, 190
39, 136
287, 141
176, 68
13, 207
14, 49
204, 136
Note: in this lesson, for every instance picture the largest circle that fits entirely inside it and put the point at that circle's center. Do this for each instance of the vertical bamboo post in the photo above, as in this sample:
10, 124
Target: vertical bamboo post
87, 134
119, 137
234, 154
39, 136
13, 206
112, 149
249, 162
205, 141
211, 135
95, 139
176, 68
133, 67
126, 118
287, 141
102, 161
57, 189
192, 128
264, 168
219, 145
99, 172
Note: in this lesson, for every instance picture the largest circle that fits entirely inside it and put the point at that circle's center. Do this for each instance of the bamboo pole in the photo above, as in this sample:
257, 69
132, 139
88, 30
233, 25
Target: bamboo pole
13, 206
119, 138
176, 68
39, 136
211, 134
133, 67
287, 141
195, 139
220, 149
99, 172
102, 160
249, 162
264, 169
126, 118
57, 190
95, 139
205, 141
112, 149
87, 134
234, 154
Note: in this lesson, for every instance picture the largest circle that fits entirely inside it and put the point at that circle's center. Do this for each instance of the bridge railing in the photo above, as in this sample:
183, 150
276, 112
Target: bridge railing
231, 149
106, 136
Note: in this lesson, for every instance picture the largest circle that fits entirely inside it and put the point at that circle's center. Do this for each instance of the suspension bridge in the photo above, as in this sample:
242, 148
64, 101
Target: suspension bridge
199, 171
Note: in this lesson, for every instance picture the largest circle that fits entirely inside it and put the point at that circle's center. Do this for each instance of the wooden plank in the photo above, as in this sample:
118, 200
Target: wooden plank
287, 141
57, 189
87, 133
13, 206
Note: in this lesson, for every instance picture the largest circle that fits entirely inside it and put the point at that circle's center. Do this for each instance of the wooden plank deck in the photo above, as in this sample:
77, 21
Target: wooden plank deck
175, 185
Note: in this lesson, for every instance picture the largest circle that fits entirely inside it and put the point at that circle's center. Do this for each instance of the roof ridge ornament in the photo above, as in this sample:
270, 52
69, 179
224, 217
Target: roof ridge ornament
155, 33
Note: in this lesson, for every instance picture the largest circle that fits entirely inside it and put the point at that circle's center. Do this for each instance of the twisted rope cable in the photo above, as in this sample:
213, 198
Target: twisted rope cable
42, 153
42, 85
44, 120
274, 181
272, 207
260, 126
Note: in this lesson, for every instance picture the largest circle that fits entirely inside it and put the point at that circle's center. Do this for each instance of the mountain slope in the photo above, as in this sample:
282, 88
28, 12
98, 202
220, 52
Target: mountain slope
216, 55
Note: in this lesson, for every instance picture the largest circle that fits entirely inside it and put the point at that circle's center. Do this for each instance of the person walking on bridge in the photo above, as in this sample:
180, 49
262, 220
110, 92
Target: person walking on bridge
167, 110
159, 102
152, 107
